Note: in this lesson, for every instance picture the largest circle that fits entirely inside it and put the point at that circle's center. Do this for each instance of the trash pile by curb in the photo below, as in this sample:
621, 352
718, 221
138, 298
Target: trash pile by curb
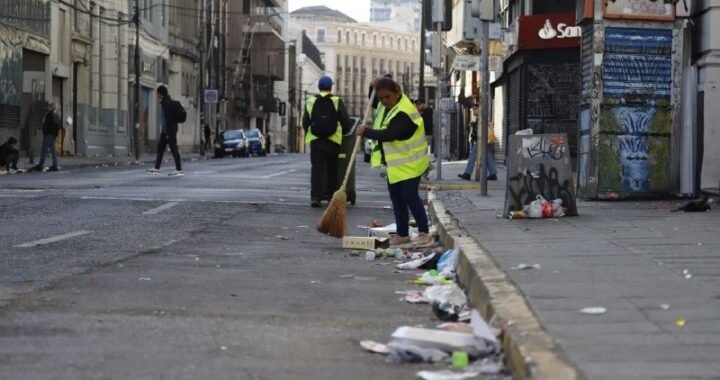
461, 342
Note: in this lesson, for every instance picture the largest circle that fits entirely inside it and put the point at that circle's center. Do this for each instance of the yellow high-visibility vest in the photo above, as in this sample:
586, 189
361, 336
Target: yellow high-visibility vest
309, 105
404, 159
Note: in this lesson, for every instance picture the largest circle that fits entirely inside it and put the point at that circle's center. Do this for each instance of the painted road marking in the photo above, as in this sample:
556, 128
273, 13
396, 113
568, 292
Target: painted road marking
53, 239
277, 174
159, 209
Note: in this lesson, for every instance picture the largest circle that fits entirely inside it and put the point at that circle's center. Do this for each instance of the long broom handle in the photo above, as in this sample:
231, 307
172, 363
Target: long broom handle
358, 139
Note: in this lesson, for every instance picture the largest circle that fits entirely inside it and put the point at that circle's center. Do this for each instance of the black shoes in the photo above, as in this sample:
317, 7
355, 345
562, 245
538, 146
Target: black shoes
53, 169
465, 176
315, 203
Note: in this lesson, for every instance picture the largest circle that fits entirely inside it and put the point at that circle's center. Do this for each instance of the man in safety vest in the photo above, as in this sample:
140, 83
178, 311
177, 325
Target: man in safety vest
325, 121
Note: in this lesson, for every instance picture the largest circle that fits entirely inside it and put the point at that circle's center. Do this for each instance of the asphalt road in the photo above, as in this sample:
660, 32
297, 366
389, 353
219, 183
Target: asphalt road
112, 273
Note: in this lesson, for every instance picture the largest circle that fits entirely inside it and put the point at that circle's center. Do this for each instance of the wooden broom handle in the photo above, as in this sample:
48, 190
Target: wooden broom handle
358, 140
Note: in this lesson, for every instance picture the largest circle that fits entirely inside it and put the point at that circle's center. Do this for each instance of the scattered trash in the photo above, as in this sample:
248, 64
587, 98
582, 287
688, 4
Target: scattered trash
482, 330
448, 263
460, 359
282, 237
363, 242
665, 306
680, 322
542, 208
370, 256
303, 226
487, 366
515, 215
314, 282
425, 262
596, 310
612, 196
446, 374
446, 294
432, 277
523, 266
354, 254
223, 348
687, 274
447, 341
144, 278
375, 347
409, 353
456, 327
700, 244
346, 276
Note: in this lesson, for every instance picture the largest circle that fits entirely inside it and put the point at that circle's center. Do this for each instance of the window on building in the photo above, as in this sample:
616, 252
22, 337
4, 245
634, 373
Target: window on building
374, 40
347, 37
339, 39
363, 39
406, 44
355, 38
557, 6
383, 41
413, 45
392, 42
338, 59
322, 58
321, 35
163, 17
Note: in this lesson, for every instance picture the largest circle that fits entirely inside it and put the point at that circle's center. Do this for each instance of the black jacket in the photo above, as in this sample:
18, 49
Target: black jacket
169, 114
51, 124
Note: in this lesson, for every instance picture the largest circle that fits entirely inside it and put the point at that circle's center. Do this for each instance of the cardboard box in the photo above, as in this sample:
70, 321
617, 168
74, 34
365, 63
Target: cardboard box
363, 242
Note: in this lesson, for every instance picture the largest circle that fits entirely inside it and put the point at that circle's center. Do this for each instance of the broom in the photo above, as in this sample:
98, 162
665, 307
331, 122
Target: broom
332, 221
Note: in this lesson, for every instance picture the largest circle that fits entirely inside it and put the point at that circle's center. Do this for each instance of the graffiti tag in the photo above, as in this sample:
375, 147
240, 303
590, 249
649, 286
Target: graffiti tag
541, 147
526, 185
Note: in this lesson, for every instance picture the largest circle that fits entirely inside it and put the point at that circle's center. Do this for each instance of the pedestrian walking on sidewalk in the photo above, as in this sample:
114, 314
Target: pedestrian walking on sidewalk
207, 133
470, 166
401, 146
51, 127
171, 114
9, 155
325, 121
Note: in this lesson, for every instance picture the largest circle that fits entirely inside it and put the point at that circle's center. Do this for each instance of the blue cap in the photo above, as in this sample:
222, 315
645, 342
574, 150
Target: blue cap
325, 82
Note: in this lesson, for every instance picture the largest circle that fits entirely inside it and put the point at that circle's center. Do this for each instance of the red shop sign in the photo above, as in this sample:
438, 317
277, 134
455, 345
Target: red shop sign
549, 31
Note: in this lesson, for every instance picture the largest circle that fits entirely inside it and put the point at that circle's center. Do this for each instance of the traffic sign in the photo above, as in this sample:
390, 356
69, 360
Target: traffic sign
212, 96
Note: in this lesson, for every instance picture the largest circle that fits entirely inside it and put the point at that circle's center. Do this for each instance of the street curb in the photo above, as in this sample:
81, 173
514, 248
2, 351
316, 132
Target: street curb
530, 352
448, 186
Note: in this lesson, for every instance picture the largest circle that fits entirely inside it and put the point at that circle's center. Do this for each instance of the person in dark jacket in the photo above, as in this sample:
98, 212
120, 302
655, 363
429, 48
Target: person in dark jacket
427, 115
51, 126
9, 155
168, 132
324, 152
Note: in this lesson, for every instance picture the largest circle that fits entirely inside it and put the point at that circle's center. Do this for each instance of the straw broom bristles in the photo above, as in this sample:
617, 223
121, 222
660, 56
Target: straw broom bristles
332, 221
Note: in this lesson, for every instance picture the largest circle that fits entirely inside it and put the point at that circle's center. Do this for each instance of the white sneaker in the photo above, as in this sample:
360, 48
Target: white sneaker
153, 171
13, 171
177, 173
3, 172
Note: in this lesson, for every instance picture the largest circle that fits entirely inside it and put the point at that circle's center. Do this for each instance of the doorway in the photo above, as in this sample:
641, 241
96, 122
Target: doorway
57, 98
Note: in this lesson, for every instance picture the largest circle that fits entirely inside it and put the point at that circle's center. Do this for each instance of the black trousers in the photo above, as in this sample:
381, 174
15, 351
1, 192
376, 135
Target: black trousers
163, 143
324, 159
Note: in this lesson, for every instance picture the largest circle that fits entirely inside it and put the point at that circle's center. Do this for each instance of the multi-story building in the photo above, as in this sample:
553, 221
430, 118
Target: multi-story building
25, 76
255, 61
354, 53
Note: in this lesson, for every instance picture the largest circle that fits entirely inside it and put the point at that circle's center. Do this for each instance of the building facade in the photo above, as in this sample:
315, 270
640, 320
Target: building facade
405, 13
80, 55
354, 53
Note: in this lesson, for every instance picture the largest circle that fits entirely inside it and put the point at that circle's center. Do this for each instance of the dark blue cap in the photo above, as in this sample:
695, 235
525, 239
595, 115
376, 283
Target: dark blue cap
325, 82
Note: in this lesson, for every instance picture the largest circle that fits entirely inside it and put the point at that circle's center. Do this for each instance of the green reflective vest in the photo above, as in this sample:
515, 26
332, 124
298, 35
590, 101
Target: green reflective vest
404, 159
335, 137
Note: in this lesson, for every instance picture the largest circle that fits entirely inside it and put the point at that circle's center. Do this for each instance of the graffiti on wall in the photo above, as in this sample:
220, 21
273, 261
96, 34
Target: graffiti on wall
636, 115
539, 165
10, 73
640, 9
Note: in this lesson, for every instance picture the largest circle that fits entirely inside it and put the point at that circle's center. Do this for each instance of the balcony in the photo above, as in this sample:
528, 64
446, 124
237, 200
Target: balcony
263, 23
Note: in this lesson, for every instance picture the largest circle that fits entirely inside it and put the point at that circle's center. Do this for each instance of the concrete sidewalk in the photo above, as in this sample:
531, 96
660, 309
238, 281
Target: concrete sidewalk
68, 162
657, 273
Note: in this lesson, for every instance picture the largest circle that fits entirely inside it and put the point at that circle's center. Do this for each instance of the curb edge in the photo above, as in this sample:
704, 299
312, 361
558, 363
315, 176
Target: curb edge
531, 353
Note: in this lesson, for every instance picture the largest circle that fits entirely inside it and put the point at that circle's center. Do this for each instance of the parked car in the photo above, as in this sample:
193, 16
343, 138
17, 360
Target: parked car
232, 142
256, 142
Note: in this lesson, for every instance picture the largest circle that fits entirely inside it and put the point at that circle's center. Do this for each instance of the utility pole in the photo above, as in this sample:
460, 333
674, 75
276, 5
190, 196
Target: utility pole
201, 75
138, 103
483, 120
421, 80
437, 130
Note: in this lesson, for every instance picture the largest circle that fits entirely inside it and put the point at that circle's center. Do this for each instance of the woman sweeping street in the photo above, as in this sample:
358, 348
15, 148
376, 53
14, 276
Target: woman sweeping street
401, 146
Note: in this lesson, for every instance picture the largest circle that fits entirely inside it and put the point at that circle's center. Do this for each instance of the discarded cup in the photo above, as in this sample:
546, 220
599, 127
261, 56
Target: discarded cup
460, 359
517, 215
370, 255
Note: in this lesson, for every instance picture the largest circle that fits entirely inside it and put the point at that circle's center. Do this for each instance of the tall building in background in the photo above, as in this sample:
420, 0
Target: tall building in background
354, 53
397, 13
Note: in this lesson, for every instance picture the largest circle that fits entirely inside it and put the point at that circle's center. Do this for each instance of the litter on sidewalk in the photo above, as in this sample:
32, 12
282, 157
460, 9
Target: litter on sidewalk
375, 347
447, 341
595, 310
